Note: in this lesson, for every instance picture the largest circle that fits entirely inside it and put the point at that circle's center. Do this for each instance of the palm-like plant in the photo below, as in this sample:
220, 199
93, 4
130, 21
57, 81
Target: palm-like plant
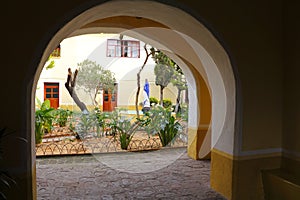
43, 120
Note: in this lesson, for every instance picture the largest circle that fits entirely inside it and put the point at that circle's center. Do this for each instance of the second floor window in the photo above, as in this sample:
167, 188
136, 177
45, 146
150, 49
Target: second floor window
123, 48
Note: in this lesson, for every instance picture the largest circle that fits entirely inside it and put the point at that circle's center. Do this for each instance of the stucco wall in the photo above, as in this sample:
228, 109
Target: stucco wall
93, 47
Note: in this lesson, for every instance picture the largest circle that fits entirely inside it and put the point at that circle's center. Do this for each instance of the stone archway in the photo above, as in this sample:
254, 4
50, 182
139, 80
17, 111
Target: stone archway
195, 47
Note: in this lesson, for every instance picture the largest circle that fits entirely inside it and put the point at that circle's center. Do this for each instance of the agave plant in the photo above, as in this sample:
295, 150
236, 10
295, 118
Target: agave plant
161, 121
126, 131
86, 125
124, 127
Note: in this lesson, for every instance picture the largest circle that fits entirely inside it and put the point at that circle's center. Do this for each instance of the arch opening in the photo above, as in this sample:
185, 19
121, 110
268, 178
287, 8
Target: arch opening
195, 49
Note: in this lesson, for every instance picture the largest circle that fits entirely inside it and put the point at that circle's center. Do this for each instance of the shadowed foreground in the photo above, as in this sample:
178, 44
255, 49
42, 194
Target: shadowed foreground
163, 174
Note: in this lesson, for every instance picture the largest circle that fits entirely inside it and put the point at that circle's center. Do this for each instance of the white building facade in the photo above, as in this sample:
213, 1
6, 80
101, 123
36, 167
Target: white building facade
123, 55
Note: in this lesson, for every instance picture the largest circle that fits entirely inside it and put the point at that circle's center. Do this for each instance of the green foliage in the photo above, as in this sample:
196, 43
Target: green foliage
44, 117
102, 118
161, 58
39, 132
164, 69
125, 132
86, 125
123, 126
159, 120
62, 116
153, 101
163, 74
114, 117
179, 81
169, 132
183, 113
50, 64
167, 103
92, 78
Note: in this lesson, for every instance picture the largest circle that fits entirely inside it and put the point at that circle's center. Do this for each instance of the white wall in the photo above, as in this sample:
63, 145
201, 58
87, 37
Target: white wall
93, 47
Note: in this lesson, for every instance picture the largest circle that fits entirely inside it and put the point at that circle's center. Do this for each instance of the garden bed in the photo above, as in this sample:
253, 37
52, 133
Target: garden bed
62, 141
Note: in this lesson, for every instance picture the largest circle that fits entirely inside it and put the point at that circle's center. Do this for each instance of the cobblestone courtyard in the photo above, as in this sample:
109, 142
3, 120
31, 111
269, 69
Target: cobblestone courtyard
162, 174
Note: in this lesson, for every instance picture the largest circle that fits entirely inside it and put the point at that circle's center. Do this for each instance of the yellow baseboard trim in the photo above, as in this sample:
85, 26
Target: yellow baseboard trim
221, 172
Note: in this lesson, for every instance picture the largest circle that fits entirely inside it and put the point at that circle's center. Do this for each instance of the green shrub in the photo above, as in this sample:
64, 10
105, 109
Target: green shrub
123, 126
153, 101
43, 120
183, 113
62, 116
102, 118
167, 103
86, 125
160, 121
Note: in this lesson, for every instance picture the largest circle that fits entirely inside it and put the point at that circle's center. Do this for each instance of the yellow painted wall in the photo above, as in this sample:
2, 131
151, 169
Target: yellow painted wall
247, 184
222, 173
240, 177
196, 135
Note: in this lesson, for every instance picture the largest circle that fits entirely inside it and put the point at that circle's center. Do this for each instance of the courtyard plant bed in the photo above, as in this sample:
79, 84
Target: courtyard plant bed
99, 132
71, 145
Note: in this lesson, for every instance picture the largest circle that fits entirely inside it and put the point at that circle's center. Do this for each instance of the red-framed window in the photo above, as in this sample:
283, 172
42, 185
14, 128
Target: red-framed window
123, 48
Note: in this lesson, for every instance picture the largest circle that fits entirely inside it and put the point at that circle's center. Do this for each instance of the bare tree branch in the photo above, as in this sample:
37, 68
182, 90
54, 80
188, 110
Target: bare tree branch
139, 81
70, 85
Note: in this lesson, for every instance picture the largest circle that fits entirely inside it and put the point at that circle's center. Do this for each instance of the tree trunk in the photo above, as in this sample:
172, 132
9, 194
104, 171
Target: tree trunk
162, 95
139, 82
177, 101
70, 85
95, 96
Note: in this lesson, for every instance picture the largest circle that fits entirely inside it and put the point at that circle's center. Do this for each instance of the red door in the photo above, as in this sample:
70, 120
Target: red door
51, 92
110, 99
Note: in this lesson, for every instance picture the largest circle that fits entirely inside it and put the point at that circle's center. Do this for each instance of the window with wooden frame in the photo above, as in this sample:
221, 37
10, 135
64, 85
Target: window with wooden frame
123, 48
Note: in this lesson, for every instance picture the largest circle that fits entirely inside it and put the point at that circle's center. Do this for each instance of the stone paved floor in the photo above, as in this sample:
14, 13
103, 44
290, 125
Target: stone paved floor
163, 174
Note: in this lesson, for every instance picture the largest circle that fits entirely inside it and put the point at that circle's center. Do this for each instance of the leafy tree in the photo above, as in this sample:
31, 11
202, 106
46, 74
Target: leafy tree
163, 70
166, 71
92, 78
180, 83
